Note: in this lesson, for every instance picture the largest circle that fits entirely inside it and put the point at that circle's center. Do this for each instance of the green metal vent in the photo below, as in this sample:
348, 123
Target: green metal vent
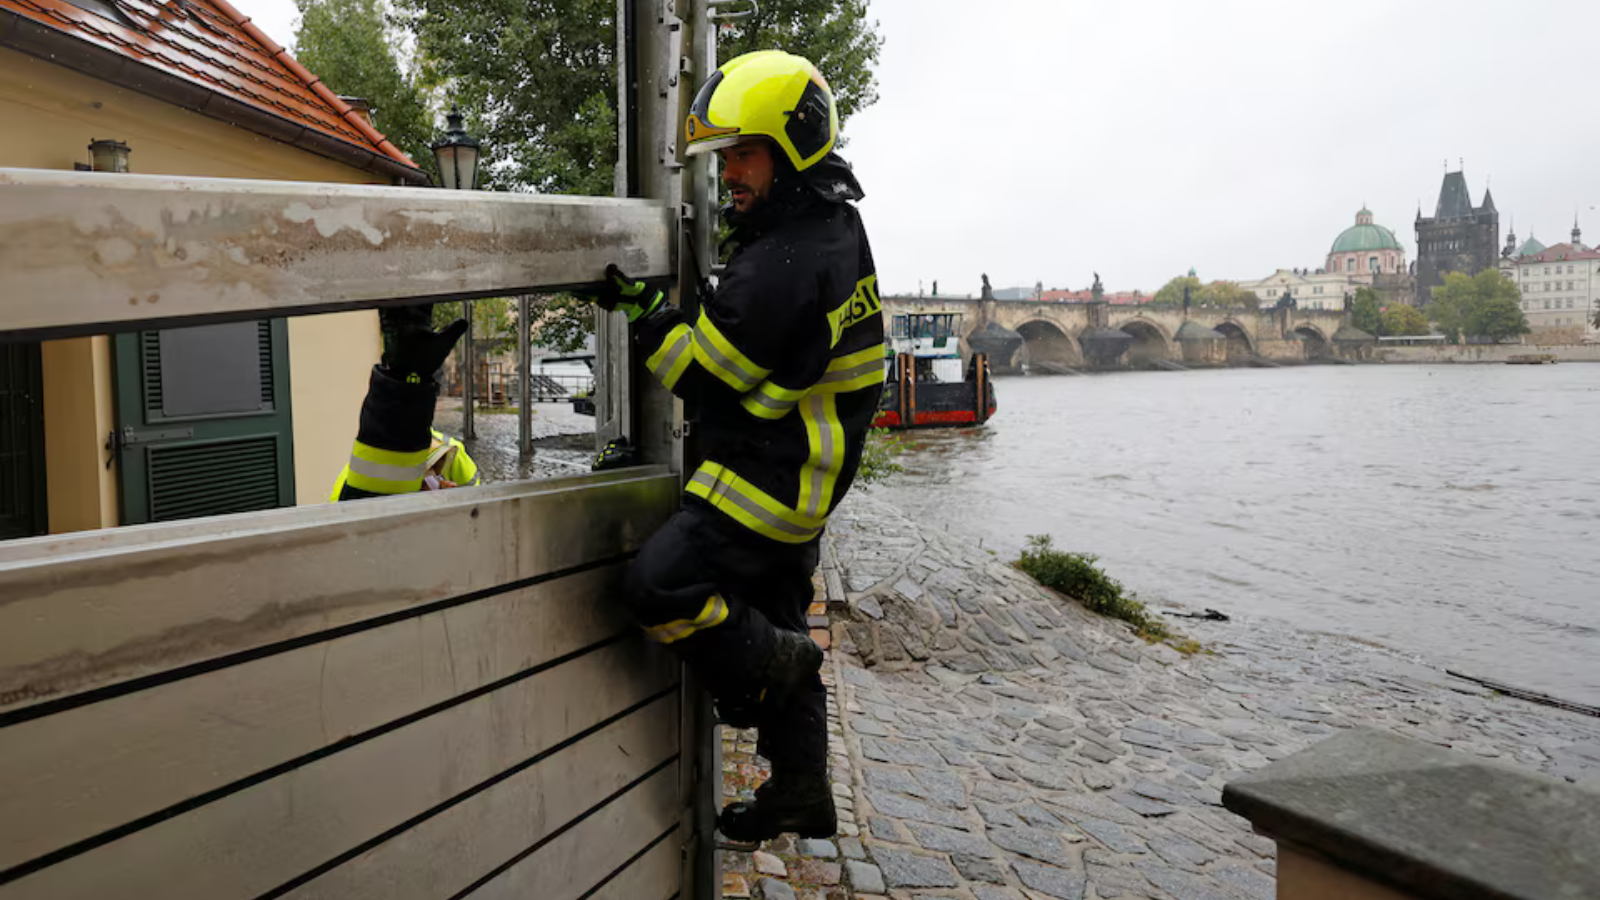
214, 478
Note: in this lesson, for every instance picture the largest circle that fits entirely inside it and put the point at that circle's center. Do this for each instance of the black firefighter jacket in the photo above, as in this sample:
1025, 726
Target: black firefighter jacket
782, 367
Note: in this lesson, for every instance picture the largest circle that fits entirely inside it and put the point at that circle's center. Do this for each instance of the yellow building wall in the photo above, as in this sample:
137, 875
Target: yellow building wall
81, 490
330, 359
55, 113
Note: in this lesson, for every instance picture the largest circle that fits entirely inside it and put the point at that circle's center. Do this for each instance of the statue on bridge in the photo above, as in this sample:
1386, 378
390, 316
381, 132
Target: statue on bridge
1099, 290
1287, 301
988, 292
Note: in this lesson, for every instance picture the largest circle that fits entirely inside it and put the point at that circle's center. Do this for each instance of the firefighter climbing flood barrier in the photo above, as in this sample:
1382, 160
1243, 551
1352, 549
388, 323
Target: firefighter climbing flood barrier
430, 696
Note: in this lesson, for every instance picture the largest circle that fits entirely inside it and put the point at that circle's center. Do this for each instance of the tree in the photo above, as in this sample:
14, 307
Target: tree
1171, 293
834, 34
1364, 312
350, 46
1485, 305
561, 322
537, 78
537, 82
1227, 294
1403, 320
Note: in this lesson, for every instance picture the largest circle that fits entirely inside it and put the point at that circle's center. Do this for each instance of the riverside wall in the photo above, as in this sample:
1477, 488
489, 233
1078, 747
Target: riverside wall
1486, 353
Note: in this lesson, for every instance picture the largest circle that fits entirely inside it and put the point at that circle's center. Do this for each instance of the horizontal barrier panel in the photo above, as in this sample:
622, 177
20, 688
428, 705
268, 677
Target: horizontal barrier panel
565, 869
473, 840
78, 628
272, 833
653, 875
90, 252
181, 740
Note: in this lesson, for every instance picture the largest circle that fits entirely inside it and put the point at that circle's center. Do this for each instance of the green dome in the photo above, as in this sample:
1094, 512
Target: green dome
1531, 247
1363, 238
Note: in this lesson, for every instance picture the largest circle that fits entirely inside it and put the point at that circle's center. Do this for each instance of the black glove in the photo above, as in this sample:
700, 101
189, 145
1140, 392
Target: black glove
412, 350
617, 454
619, 293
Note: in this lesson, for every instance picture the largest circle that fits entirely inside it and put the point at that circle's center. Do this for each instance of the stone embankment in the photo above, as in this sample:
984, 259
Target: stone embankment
996, 742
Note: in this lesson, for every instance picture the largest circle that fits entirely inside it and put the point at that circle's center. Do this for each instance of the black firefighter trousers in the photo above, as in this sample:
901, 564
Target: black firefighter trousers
700, 554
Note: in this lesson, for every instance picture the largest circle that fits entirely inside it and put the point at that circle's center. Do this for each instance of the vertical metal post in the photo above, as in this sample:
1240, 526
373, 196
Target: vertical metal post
524, 376
665, 48
469, 363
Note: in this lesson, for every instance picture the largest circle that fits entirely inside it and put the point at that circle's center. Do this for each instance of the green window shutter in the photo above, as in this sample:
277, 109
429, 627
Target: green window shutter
202, 462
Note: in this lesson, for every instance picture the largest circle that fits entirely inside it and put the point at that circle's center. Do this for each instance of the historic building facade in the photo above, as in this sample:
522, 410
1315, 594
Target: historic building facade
1365, 250
1459, 237
1365, 254
1560, 288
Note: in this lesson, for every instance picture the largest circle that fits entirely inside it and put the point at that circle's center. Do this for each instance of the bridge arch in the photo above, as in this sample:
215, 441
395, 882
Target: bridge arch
1046, 342
1239, 345
1316, 343
1151, 342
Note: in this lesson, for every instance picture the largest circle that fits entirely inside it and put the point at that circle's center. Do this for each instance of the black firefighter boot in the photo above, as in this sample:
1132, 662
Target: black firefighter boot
797, 804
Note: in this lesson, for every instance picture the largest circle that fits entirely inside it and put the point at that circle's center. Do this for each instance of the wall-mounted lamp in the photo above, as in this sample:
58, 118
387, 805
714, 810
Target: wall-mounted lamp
109, 155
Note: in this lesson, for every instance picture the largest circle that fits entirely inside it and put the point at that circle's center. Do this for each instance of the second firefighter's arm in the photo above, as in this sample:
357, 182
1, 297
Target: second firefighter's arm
390, 455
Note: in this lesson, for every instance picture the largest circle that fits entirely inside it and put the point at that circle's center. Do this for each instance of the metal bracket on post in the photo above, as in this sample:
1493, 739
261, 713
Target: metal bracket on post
754, 9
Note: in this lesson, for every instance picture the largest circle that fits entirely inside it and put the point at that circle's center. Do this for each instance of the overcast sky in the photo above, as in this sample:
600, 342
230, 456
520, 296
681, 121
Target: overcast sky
1044, 140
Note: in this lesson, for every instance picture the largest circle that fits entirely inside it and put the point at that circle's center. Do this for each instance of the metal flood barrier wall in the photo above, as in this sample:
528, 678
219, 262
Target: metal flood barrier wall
434, 696
426, 697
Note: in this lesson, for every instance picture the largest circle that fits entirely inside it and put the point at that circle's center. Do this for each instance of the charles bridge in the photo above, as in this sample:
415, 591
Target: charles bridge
1104, 335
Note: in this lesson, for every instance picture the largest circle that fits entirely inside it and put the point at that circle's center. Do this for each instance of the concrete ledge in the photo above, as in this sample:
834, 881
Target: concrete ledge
1427, 822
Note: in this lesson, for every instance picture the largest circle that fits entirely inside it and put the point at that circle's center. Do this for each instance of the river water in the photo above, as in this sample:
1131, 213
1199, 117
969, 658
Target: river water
1451, 512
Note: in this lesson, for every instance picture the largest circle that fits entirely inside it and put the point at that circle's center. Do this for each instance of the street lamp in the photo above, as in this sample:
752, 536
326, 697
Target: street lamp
457, 156
109, 156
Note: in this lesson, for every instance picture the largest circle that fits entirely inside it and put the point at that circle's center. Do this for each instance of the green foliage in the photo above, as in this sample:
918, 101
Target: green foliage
1483, 305
1171, 293
537, 78
1218, 293
1228, 294
1404, 320
350, 46
1364, 312
561, 323
537, 82
878, 457
834, 34
494, 327
1077, 576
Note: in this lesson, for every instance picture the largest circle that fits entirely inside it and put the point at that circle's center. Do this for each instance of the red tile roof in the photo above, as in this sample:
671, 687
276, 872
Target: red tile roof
211, 44
1558, 253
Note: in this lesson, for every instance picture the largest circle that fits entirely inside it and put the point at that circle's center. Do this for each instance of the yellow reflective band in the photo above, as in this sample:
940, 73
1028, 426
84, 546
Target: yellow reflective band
338, 486
751, 507
714, 613
853, 372
825, 437
386, 471
672, 358
403, 458
862, 305
719, 357
770, 401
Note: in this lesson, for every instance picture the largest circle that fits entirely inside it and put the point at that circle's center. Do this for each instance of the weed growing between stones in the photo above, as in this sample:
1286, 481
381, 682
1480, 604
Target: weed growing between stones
1077, 576
878, 457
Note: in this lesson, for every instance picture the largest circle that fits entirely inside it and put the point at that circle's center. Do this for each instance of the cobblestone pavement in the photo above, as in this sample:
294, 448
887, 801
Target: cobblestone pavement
790, 869
1000, 743
563, 441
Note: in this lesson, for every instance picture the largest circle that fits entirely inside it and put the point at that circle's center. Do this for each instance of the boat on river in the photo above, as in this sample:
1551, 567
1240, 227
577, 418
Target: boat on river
928, 384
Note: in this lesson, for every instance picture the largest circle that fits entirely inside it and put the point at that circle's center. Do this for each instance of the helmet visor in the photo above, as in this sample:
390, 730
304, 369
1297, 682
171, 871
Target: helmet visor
699, 129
